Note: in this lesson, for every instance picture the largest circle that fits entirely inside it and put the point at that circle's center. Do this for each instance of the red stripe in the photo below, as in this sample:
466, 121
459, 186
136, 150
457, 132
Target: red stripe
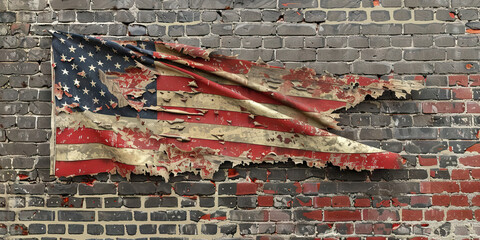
255, 152
90, 167
175, 83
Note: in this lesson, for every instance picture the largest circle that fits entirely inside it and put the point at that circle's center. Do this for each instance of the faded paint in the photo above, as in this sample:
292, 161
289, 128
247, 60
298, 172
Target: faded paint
212, 109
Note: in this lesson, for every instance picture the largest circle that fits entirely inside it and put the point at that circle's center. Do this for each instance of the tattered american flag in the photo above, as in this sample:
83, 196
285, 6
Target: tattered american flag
164, 108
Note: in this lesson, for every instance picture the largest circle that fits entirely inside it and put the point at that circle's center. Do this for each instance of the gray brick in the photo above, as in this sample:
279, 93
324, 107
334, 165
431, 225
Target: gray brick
467, 41
425, 146
445, 15
391, 3
230, 16
19, 68
294, 42
166, 17
61, 189
357, 16
467, 14
176, 4
7, 17
316, 16
413, 67
27, 5
251, 15
176, 30
433, 28
37, 229
358, 42
204, 4
374, 68
271, 15
424, 54
137, 30
184, 188
116, 4
114, 216
222, 29
380, 16
249, 215
124, 16
423, 15
431, 94
293, 16
76, 216
146, 16
382, 54
302, 55
337, 55
230, 42
336, 16
95, 229
254, 29
198, 29
456, 67
255, 4
338, 68
458, 133
427, 3
70, 4
297, 4
89, 29
463, 53
115, 230
455, 28
339, 29
97, 188
36, 215
336, 42
402, 15
340, 4
379, 29
422, 41
416, 133
254, 54
375, 134
21, 189
444, 41
465, 3
118, 30
400, 107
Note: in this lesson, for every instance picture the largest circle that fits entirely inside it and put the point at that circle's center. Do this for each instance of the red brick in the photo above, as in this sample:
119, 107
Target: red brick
460, 174
340, 201
311, 188
459, 214
353, 238
475, 174
362, 202
265, 201
477, 214
462, 93
443, 107
411, 215
439, 187
470, 187
322, 202
441, 200
376, 238
434, 215
398, 203
363, 228
343, 215
461, 80
427, 161
476, 201
471, 161
380, 215
418, 238
474, 80
473, 107
420, 200
246, 188
382, 229
459, 200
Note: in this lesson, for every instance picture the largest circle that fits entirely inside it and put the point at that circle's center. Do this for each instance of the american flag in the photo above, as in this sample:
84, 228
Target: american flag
162, 108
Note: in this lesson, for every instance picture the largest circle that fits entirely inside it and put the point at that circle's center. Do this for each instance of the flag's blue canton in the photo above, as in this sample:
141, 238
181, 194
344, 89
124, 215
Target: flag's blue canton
78, 59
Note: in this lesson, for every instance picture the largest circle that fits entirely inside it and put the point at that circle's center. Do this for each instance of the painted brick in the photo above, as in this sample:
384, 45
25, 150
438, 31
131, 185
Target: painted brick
340, 201
470, 187
434, 215
459, 214
412, 215
320, 202
342, 215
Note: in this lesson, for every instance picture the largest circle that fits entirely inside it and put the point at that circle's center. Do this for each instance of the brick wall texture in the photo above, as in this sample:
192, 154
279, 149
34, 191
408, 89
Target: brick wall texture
437, 195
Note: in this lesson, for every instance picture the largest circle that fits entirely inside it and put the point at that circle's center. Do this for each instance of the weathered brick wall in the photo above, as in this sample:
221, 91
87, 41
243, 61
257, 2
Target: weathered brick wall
435, 196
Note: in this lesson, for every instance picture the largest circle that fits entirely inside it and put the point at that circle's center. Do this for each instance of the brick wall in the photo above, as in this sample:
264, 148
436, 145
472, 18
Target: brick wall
435, 129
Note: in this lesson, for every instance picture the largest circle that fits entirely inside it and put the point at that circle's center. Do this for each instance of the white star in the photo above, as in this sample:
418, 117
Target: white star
93, 83
97, 48
76, 82
103, 41
90, 54
82, 58
65, 72
111, 102
126, 59
64, 58
64, 104
82, 73
109, 57
114, 50
102, 93
143, 100
85, 91
76, 98
62, 40
72, 49
80, 45
91, 67
69, 36
100, 63
142, 45
86, 108
74, 66
86, 38
65, 88
117, 65
95, 100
